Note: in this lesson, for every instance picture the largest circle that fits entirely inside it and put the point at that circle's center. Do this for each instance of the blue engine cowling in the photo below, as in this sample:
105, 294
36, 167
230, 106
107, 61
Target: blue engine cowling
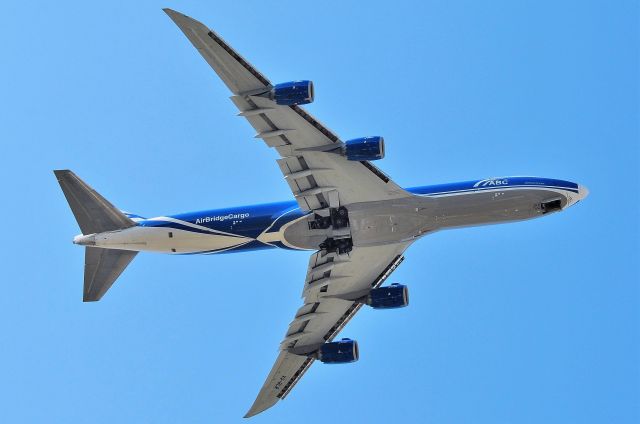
293, 93
393, 296
364, 148
340, 352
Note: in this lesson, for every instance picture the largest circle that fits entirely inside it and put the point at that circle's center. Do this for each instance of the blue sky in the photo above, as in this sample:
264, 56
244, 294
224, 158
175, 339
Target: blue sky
523, 323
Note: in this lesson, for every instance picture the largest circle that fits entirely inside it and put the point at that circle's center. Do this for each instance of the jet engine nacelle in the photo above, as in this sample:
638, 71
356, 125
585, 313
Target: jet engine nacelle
393, 296
340, 352
364, 148
293, 93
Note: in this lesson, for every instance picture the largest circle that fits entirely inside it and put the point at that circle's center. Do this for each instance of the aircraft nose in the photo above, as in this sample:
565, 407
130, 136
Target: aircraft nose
583, 192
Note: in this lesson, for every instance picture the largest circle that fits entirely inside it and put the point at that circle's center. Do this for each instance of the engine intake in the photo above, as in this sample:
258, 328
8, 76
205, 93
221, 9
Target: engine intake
341, 352
293, 93
364, 148
393, 296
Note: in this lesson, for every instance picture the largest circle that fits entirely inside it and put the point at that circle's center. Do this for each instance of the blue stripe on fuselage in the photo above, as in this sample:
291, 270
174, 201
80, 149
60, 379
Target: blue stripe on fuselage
245, 221
494, 183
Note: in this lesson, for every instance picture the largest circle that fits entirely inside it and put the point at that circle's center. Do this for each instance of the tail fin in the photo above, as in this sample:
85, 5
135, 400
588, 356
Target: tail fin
95, 214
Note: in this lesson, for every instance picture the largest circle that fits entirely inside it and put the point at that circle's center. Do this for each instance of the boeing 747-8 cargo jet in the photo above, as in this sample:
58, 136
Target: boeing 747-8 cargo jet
352, 216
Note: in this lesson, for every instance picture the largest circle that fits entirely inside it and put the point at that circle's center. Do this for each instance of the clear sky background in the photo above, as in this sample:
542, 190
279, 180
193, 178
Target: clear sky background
530, 322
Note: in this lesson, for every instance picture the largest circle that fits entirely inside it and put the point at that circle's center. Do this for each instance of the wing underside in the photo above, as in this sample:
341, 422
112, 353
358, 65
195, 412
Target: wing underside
316, 178
322, 183
332, 280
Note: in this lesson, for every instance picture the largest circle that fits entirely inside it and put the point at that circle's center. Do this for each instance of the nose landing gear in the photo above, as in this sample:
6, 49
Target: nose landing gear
551, 206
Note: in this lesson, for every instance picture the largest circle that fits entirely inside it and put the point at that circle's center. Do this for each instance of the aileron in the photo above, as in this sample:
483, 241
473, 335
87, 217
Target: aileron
238, 74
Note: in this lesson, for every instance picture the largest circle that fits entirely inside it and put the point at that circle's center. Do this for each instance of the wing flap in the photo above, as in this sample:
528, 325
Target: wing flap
285, 117
367, 268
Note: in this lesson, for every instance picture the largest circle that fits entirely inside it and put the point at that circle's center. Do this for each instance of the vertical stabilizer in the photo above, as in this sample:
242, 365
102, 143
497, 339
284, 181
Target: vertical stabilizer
94, 213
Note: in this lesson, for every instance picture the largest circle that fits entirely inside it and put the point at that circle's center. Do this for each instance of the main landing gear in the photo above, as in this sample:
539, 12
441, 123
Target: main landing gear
336, 219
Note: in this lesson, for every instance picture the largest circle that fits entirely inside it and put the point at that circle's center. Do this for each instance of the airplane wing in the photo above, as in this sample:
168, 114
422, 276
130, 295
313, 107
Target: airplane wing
331, 281
335, 282
317, 179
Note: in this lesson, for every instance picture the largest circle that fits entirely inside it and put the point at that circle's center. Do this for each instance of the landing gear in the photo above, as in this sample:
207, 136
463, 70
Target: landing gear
551, 206
320, 222
341, 246
338, 218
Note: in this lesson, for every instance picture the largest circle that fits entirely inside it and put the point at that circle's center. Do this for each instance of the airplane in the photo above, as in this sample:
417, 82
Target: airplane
354, 218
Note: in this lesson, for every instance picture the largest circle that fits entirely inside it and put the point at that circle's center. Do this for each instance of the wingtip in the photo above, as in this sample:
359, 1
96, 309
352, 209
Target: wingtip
172, 13
259, 406
250, 413
180, 18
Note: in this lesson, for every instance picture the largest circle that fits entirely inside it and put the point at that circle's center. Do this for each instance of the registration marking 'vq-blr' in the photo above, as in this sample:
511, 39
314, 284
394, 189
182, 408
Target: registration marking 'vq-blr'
279, 383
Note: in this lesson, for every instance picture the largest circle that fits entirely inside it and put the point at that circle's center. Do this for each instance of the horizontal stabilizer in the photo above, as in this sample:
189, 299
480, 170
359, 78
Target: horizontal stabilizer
93, 212
101, 268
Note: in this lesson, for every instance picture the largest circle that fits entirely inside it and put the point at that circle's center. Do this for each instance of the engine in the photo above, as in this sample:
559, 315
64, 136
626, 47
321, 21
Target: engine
393, 296
293, 93
341, 352
364, 148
